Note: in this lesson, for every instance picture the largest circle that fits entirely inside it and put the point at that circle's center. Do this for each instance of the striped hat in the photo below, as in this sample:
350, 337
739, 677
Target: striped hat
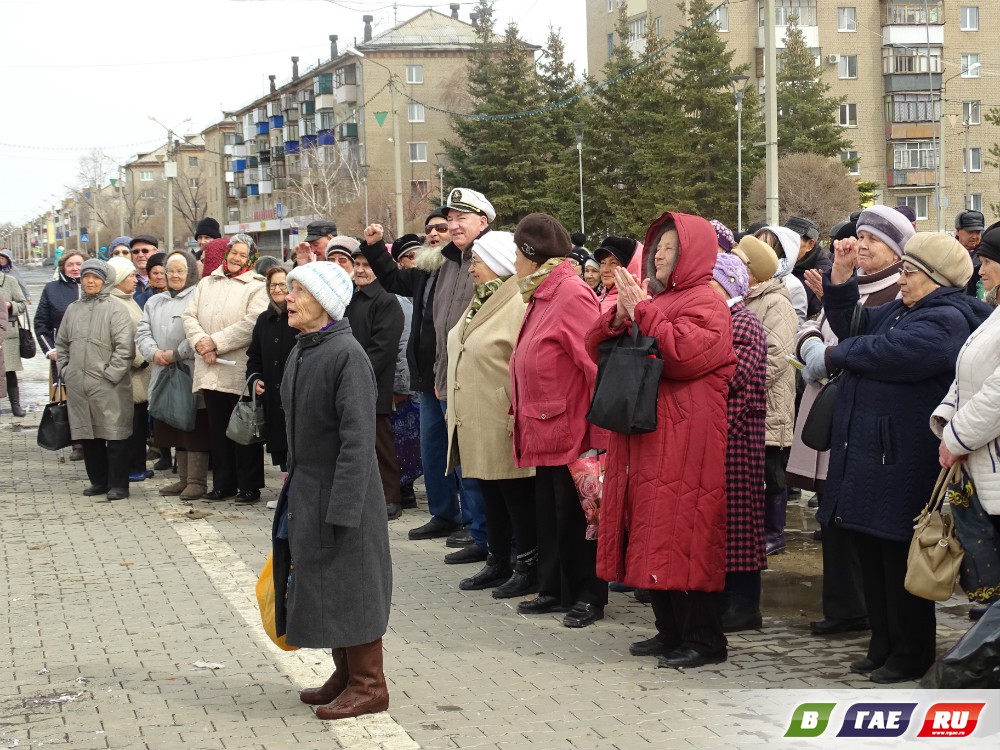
888, 225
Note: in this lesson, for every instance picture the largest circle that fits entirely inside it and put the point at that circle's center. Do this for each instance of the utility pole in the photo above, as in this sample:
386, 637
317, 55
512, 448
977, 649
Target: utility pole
170, 171
771, 114
968, 165
396, 158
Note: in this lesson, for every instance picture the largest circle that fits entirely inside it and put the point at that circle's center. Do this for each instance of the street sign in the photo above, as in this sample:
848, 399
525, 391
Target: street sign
280, 209
84, 238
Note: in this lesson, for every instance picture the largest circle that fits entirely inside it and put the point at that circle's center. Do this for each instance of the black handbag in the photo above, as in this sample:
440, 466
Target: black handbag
817, 430
26, 340
628, 376
53, 430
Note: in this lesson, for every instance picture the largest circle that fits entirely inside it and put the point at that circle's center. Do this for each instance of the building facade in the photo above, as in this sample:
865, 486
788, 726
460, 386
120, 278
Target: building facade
916, 78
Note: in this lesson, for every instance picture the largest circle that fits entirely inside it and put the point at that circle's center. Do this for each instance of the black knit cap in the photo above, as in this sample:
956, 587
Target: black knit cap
404, 244
540, 237
989, 245
157, 259
580, 255
843, 230
208, 227
437, 213
622, 248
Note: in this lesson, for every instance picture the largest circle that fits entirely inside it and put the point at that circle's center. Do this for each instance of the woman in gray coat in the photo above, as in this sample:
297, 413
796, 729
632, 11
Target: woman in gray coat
332, 570
13, 300
95, 349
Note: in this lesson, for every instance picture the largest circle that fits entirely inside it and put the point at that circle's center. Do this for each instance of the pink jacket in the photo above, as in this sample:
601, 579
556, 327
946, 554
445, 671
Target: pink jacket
551, 374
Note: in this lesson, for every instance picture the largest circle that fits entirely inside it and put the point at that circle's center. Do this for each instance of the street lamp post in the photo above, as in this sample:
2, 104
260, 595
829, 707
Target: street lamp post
364, 181
440, 162
738, 84
942, 200
578, 132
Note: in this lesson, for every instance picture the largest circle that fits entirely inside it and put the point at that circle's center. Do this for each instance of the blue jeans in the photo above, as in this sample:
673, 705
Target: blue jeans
442, 490
473, 502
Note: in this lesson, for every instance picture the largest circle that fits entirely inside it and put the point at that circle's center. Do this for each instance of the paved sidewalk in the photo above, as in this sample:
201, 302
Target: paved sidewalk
133, 624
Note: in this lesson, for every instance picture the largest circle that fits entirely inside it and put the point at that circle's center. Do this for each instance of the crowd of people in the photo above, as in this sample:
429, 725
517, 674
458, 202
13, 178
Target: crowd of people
470, 355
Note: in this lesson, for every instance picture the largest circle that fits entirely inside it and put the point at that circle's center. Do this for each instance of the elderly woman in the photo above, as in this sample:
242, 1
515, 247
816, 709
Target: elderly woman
746, 408
332, 570
592, 274
219, 323
968, 419
124, 289
8, 268
549, 371
161, 339
479, 350
881, 234
271, 342
882, 465
95, 347
157, 275
615, 252
786, 243
14, 303
663, 514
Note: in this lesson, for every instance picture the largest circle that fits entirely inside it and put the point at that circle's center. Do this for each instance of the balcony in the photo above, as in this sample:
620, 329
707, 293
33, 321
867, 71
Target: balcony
291, 148
273, 108
323, 84
291, 115
239, 150
265, 187
240, 165
253, 162
289, 102
325, 138
347, 94
911, 131
253, 190
308, 141
910, 178
278, 153
908, 36
325, 102
811, 34
233, 192
309, 107
348, 130
911, 82
912, 12
262, 128
280, 183
265, 158
276, 122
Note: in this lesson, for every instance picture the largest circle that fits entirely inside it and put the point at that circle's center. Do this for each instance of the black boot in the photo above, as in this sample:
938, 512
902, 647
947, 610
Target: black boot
524, 580
14, 393
740, 615
407, 498
493, 574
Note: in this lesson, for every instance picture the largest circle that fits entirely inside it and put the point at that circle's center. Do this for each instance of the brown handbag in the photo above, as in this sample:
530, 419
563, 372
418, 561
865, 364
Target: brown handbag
935, 557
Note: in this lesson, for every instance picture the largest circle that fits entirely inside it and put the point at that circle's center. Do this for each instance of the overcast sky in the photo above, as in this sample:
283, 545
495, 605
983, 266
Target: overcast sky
79, 74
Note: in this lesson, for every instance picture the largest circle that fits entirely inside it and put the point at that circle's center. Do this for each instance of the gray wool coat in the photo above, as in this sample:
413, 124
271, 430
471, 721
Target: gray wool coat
337, 550
95, 348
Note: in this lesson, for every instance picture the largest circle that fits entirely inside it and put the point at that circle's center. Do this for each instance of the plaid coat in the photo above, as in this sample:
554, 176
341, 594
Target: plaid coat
746, 408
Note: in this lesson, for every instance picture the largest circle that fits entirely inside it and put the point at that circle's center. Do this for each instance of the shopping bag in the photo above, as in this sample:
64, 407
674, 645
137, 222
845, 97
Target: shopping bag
246, 423
628, 376
980, 572
172, 400
586, 473
935, 556
973, 662
265, 600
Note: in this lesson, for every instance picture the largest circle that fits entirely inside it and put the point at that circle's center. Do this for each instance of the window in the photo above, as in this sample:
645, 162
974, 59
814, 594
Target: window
973, 159
910, 60
914, 155
720, 17
193, 183
656, 24
637, 28
975, 202
971, 112
146, 212
918, 203
611, 45
849, 115
326, 120
418, 152
913, 108
852, 160
414, 73
803, 10
146, 175
345, 76
420, 187
847, 19
969, 17
192, 161
914, 12
415, 112
970, 65
848, 66
611, 5
147, 194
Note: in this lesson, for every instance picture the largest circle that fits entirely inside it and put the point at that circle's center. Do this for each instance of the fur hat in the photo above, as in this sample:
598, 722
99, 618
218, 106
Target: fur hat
540, 237
941, 257
156, 259
731, 274
208, 227
496, 250
622, 248
328, 283
761, 258
121, 269
888, 225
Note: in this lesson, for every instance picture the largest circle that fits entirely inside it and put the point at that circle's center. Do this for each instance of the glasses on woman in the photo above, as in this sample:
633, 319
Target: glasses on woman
908, 271
278, 288
123, 253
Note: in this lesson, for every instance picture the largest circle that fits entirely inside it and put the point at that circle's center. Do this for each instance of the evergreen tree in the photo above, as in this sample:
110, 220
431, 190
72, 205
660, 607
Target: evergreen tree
700, 88
807, 114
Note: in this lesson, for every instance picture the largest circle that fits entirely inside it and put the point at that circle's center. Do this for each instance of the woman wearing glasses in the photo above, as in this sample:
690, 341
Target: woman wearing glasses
218, 323
270, 344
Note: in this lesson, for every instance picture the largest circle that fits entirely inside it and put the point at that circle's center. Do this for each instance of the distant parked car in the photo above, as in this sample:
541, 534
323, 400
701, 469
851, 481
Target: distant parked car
48, 262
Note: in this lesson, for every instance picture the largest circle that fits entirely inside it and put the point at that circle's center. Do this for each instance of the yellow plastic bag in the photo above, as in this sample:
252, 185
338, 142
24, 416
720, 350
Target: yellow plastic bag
265, 600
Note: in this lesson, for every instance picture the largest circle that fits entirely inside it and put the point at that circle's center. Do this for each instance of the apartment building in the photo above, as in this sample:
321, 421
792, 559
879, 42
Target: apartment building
917, 80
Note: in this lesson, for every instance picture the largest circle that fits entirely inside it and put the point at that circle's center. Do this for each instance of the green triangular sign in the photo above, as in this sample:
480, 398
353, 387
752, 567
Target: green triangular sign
380, 117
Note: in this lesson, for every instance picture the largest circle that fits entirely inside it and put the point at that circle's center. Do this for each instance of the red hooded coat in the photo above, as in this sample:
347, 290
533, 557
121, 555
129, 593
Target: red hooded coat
663, 511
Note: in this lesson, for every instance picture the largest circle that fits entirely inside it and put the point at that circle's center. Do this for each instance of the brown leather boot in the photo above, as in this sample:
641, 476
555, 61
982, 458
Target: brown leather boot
366, 691
177, 487
333, 687
197, 475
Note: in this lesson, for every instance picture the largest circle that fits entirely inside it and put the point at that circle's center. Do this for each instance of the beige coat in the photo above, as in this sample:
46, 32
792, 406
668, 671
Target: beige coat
140, 374
226, 310
770, 302
479, 424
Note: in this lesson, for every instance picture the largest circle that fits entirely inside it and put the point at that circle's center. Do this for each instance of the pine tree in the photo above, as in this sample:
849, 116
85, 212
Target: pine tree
699, 84
807, 114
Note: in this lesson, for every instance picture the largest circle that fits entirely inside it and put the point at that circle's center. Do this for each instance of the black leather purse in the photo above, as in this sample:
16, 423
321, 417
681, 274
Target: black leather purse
53, 430
628, 375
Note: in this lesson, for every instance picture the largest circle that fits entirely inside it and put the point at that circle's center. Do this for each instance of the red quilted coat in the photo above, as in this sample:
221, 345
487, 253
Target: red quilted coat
663, 511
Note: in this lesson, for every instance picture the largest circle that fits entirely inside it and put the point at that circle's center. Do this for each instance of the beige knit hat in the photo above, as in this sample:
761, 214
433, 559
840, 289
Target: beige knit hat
760, 257
941, 257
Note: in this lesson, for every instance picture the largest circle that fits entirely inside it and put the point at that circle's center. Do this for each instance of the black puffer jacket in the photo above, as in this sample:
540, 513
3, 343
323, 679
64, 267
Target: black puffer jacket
56, 297
819, 259
270, 344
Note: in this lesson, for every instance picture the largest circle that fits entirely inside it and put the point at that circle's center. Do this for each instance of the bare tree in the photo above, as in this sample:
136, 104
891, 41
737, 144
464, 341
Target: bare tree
113, 208
190, 191
324, 181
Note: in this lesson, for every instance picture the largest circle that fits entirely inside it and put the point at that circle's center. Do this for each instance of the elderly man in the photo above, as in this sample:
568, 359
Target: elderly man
404, 250
969, 226
142, 248
318, 236
377, 323
811, 255
341, 250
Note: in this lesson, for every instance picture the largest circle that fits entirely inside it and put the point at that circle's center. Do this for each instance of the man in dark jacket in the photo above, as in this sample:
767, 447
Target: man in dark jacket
969, 227
811, 255
377, 323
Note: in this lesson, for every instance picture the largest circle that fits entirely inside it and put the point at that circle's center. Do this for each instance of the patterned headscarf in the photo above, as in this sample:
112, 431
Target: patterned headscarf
248, 264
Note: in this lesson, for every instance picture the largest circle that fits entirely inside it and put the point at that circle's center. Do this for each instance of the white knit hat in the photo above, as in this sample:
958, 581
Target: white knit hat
328, 283
497, 250
122, 267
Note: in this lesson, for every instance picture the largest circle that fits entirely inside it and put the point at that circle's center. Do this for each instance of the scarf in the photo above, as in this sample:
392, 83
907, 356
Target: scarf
480, 294
247, 265
532, 281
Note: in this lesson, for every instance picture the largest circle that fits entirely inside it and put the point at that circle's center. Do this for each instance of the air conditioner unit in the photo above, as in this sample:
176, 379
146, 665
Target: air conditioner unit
833, 59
